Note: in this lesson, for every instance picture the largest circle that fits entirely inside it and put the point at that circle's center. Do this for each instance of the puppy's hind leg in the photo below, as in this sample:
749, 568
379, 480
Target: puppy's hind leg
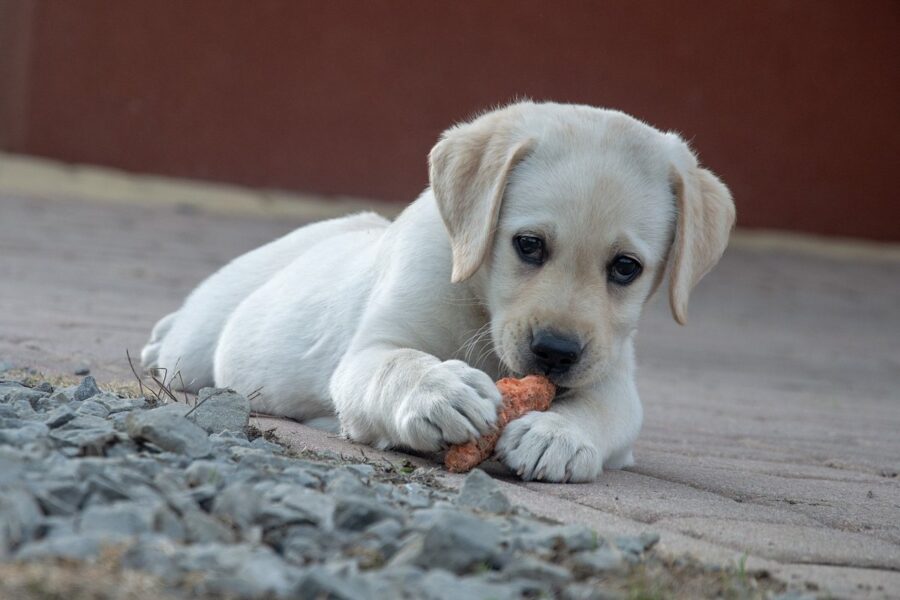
150, 353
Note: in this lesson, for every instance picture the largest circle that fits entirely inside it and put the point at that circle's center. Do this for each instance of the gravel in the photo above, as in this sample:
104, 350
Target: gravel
221, 410
191, 495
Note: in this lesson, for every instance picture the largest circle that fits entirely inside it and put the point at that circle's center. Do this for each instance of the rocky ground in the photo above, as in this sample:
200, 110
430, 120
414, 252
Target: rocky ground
109, 494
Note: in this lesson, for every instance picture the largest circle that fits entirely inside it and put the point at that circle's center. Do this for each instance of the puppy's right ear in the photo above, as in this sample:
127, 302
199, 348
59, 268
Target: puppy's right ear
469, 168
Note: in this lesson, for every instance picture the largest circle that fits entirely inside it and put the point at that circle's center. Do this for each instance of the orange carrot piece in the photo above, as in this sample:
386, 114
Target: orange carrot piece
520, 396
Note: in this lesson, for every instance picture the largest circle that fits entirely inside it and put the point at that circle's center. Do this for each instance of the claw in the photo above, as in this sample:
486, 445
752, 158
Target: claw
540, 474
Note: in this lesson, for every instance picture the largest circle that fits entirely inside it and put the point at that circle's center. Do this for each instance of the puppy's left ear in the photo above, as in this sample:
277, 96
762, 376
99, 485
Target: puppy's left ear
705, 217
469, 168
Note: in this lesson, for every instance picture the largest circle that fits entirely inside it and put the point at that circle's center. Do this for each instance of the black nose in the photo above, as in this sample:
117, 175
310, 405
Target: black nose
553, 353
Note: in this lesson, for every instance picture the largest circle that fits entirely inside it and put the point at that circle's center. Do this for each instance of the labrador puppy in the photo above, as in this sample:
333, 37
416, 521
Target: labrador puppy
545, 230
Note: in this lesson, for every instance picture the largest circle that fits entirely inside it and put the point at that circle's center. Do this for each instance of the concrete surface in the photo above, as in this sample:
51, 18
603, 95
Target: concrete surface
772, 420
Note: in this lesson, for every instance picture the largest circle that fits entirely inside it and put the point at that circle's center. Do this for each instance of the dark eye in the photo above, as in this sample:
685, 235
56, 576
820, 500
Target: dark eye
623, 270
530, 248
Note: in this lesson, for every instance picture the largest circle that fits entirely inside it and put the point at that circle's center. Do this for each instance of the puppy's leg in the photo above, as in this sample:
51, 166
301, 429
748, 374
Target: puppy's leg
388, 396
189, 341
584, 431
150, 353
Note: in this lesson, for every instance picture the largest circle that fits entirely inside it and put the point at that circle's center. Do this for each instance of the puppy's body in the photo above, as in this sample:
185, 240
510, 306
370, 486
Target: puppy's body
400, 328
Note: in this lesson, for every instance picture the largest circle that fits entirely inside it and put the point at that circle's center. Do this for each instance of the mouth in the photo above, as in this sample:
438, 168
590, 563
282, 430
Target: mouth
555, 377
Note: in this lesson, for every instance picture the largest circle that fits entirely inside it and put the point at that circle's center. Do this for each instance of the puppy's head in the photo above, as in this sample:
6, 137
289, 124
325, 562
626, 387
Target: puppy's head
565, 219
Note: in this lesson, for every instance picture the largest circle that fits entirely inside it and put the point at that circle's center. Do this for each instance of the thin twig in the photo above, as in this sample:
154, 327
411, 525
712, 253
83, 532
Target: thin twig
163, 388
133, 370
183, 390
198, 405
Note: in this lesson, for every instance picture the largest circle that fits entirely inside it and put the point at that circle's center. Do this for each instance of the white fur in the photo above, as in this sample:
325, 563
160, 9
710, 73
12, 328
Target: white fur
400, 329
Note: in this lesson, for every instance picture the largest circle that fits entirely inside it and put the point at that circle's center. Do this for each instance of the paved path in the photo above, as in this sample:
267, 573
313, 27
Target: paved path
772, 419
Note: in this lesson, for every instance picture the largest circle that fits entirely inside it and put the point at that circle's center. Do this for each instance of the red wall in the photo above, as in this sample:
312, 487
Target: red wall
794, 104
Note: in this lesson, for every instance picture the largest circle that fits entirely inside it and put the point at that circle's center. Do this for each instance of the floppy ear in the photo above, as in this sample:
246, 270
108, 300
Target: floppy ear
469, 167
705, 217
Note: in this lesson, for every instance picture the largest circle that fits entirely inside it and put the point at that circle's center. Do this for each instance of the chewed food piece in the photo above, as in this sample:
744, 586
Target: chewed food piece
520, 396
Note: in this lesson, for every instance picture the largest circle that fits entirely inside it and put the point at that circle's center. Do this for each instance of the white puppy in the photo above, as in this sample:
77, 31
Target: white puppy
545, 230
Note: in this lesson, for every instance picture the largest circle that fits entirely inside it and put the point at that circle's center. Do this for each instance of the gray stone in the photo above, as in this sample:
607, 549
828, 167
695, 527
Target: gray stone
13, 422
318, 583
28, 395
529, 567
240, 570
120, 519
363, 471
61, 497
26, 433
355, 514
92, 409
20, 516
153, 554
548, 539
49, 402
392, 583
345, 483
67, 392
456, 541
59, 416
266, 446
576, 538
79, 547
201, 528
45, 387
10, 391
416, 495
301, 544
302, 476
589, 591
254, 459
481, 492
637, 545
88, 422
104, 489
219, 410
169, 524
114, 404
388, 529
304, 505
226, 439
208, 472
239, 505
440, 585
81, 371
56, 526
23, 408
7, 388
86, 389
167, 428
88, 434
593, 562
120, 421
60, 397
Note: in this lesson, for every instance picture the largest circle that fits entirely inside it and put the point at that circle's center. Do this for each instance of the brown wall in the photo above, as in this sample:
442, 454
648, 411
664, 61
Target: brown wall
794, 103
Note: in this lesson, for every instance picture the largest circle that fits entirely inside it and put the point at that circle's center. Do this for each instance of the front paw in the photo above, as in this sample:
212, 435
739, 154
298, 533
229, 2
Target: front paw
547, 447
451, 404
